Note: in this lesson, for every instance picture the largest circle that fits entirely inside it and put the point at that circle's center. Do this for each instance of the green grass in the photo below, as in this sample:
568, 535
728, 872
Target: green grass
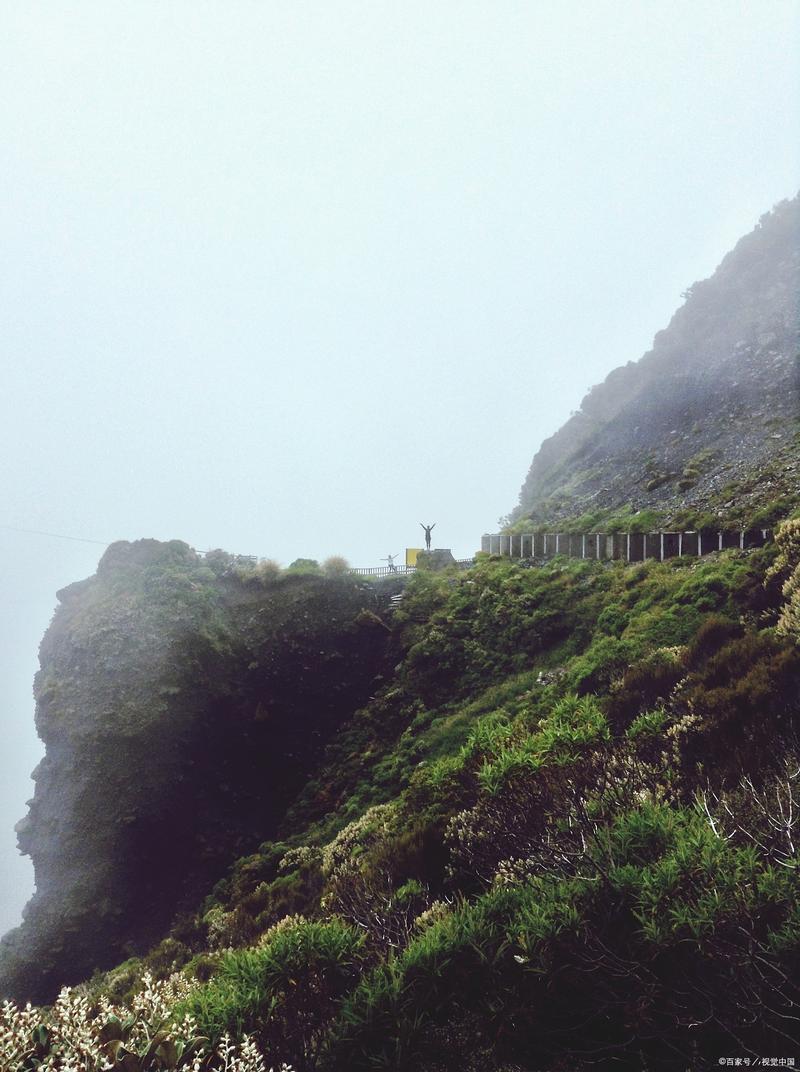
539, 747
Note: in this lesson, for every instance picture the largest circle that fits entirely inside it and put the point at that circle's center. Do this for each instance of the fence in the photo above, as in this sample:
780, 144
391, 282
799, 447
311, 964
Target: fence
621, 546
405, 571
605, 546
384, 571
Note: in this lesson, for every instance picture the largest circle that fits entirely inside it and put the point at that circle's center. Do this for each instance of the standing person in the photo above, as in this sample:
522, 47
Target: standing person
390, 559
428, 530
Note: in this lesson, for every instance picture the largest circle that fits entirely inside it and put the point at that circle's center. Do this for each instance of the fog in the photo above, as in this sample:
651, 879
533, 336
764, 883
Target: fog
289, 279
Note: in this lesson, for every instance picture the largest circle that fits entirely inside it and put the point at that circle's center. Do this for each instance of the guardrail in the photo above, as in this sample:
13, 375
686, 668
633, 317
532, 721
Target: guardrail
404, 571
384, 571
624, 546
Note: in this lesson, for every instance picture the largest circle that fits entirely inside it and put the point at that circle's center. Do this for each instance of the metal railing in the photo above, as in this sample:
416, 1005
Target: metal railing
404, 571
384, 571
626, 546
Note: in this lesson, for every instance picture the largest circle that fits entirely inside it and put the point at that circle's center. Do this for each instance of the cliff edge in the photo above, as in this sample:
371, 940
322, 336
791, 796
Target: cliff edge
182, 702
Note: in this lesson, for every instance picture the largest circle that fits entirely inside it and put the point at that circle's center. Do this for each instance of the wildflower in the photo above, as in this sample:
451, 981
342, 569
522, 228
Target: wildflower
69, 1037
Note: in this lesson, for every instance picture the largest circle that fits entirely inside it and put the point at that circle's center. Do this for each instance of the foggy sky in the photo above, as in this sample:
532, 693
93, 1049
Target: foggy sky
290, 279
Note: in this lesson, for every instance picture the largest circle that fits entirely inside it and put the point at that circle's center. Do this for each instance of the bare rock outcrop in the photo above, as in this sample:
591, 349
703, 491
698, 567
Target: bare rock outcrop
712, 407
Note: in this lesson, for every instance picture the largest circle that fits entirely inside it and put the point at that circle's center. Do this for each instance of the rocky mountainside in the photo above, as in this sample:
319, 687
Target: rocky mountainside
570, 801
180, 715
517, 818
706, 422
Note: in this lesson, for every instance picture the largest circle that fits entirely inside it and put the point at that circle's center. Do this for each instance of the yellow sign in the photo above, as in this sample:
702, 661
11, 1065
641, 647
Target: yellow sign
411, 555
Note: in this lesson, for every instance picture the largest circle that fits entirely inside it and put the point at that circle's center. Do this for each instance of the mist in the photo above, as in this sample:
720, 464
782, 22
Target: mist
291, 279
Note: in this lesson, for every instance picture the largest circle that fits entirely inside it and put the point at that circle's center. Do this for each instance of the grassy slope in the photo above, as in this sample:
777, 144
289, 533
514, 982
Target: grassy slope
505, 864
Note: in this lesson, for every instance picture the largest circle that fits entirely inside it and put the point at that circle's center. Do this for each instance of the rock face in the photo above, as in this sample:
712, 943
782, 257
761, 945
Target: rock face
182, 702
716, 400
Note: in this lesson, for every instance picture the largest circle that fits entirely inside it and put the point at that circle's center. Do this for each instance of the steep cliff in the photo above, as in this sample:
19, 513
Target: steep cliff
182, 703
708, 417
522, 818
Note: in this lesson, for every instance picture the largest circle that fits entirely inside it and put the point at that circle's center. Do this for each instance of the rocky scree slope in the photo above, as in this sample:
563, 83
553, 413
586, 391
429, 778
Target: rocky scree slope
182, 703
707, 421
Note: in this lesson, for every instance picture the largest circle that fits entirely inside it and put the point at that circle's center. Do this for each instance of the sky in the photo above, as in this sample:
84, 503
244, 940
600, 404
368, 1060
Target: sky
291, 278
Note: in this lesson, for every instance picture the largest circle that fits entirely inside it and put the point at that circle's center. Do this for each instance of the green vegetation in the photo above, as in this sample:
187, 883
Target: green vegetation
620, 519
517, 819
188, 697
560, 833
287, 988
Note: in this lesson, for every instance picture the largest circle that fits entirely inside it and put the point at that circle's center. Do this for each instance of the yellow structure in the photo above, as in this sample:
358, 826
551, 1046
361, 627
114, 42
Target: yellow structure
411, 555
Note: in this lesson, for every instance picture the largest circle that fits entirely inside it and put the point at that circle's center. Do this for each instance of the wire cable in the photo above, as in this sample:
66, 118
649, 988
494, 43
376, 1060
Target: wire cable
83, 539
56, 535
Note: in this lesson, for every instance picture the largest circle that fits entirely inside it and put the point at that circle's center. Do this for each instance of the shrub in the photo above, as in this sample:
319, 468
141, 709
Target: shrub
144, 1036
714, 633
285, 991
690, 519
336, 566
573, 724
343, 851
605, 660
658, 481
643, 521
226, 929
742, 698
304, 565
169, 956
531, 787
219, 561
707, 588
787, 567
613, 619
648, 724
773, 513
268, 571
297, 891
637, 957
645, 683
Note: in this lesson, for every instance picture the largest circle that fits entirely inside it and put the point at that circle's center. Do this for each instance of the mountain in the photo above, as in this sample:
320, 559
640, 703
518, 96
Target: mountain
497, 819
183, 701
704, 425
